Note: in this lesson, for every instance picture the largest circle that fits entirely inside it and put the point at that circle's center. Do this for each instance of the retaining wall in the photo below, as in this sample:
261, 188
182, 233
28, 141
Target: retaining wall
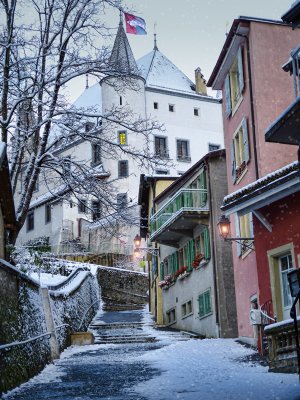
22, 316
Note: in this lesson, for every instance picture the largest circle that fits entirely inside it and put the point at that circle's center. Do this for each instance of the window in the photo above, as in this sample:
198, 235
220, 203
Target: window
121, 100
204, 301
186, 309
244, 229
82, 205
88, 126
171, 316
30, 221
67, 165
162, 172
234, 84
183, 151
155, 105
213, 147
96, 210
123, 169
240, 153
122, 200
171, 108
47, 213
160, 147
122, 138
96, 154
196, 112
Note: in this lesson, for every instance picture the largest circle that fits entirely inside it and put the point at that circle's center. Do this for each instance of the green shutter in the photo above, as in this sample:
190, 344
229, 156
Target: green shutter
162, 271
206, 243
204, 301
203, 187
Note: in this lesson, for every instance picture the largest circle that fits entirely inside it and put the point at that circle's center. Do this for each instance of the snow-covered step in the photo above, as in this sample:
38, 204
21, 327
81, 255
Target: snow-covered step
117, 325
124, 340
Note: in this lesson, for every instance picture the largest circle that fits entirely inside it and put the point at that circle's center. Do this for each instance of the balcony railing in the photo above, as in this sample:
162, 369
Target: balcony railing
185, 200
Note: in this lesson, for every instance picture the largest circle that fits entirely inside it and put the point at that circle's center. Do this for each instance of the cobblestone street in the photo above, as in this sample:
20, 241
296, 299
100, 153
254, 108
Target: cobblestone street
131, 360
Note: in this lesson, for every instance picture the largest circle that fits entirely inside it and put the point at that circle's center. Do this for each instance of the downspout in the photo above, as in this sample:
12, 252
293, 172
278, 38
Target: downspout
212, 230
251, 104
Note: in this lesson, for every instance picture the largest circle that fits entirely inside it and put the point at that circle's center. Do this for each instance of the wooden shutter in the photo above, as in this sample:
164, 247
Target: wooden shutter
206, 242
207, 302
237, 234
233, 163
201, 305
203, 186
162, 271
227, 96
240, 69
246, 140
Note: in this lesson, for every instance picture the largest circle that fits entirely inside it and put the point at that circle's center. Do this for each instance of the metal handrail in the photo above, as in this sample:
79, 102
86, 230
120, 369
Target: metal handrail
14, 344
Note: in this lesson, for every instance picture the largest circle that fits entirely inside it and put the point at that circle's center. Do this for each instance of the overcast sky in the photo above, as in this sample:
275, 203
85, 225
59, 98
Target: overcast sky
191, 33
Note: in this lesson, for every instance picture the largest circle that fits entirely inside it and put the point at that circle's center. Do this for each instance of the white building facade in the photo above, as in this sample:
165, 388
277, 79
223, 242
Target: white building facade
192, 123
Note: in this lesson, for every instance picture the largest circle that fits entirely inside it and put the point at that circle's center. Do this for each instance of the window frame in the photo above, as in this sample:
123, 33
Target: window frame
171, 107
48, 213
96, 154
123, 169
120, 141
30, 221
159, 150
183, 157
240, 151
234, 84
169, 313
218, 146
196, 112
96, 212
188, 312
82, 206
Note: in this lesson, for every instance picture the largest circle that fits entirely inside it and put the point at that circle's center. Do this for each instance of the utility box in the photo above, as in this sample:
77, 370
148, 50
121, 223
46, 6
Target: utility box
255, 317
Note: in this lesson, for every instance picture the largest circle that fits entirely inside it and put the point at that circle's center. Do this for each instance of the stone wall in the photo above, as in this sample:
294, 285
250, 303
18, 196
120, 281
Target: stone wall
22, 316
122, 287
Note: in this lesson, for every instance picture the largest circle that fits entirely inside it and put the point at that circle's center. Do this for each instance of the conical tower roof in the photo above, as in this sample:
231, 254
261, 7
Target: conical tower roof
121, 58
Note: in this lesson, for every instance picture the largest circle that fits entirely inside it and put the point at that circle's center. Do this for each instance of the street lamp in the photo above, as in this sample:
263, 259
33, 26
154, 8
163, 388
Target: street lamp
137, 244
224, 230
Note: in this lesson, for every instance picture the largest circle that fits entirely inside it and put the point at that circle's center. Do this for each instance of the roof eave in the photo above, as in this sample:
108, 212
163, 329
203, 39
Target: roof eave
293, 14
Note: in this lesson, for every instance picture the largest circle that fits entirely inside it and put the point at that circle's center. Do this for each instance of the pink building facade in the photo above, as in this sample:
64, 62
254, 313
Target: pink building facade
255, 90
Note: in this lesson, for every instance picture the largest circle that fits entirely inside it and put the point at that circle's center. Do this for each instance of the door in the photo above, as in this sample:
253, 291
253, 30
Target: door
285, 266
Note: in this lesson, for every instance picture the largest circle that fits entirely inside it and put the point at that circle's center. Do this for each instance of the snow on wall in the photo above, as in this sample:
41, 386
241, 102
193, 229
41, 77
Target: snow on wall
22, 317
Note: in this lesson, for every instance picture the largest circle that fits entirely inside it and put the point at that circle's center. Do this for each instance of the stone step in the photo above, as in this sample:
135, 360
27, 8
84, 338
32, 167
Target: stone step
124, 340
116, 325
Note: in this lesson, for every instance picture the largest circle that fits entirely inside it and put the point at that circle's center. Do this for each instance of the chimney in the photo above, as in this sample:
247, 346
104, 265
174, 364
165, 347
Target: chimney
200, 82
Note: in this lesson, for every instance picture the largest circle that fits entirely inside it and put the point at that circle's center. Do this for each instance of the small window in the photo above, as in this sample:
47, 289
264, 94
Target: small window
122, 138
96, 210
183, 150
160, 147
36, 185
171, 108
121, 200
162, 172
171, 316
71, 204
121, 100
30, 221
196, 112
186, 309
155, 105
67, 165
213, 147
234, 84
96, 154
205, 307
123, 169
47, 213
82, 206
88, 126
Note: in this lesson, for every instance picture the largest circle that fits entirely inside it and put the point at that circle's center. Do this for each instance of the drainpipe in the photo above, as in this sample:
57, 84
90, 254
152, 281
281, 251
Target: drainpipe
251, 103
213, 253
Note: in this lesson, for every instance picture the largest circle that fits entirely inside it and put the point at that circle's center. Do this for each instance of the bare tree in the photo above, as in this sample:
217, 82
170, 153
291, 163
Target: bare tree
42, 51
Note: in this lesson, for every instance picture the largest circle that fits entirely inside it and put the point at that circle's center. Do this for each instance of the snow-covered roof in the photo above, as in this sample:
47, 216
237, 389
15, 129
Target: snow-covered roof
91, 97
160, 72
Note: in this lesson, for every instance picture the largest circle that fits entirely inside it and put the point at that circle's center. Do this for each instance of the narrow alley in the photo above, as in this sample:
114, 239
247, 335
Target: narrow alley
130, 360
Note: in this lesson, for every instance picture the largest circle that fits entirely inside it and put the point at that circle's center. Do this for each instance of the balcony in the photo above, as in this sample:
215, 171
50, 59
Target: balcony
179, 216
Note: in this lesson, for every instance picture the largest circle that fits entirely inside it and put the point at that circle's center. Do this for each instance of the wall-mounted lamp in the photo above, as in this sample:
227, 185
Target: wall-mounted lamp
224, 230
137, 244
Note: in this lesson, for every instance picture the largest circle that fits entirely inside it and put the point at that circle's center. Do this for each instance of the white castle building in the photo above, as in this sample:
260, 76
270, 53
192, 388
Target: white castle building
193, 127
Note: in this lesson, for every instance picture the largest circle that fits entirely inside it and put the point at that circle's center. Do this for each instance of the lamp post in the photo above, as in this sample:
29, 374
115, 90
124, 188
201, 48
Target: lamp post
224, 230
294, 283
